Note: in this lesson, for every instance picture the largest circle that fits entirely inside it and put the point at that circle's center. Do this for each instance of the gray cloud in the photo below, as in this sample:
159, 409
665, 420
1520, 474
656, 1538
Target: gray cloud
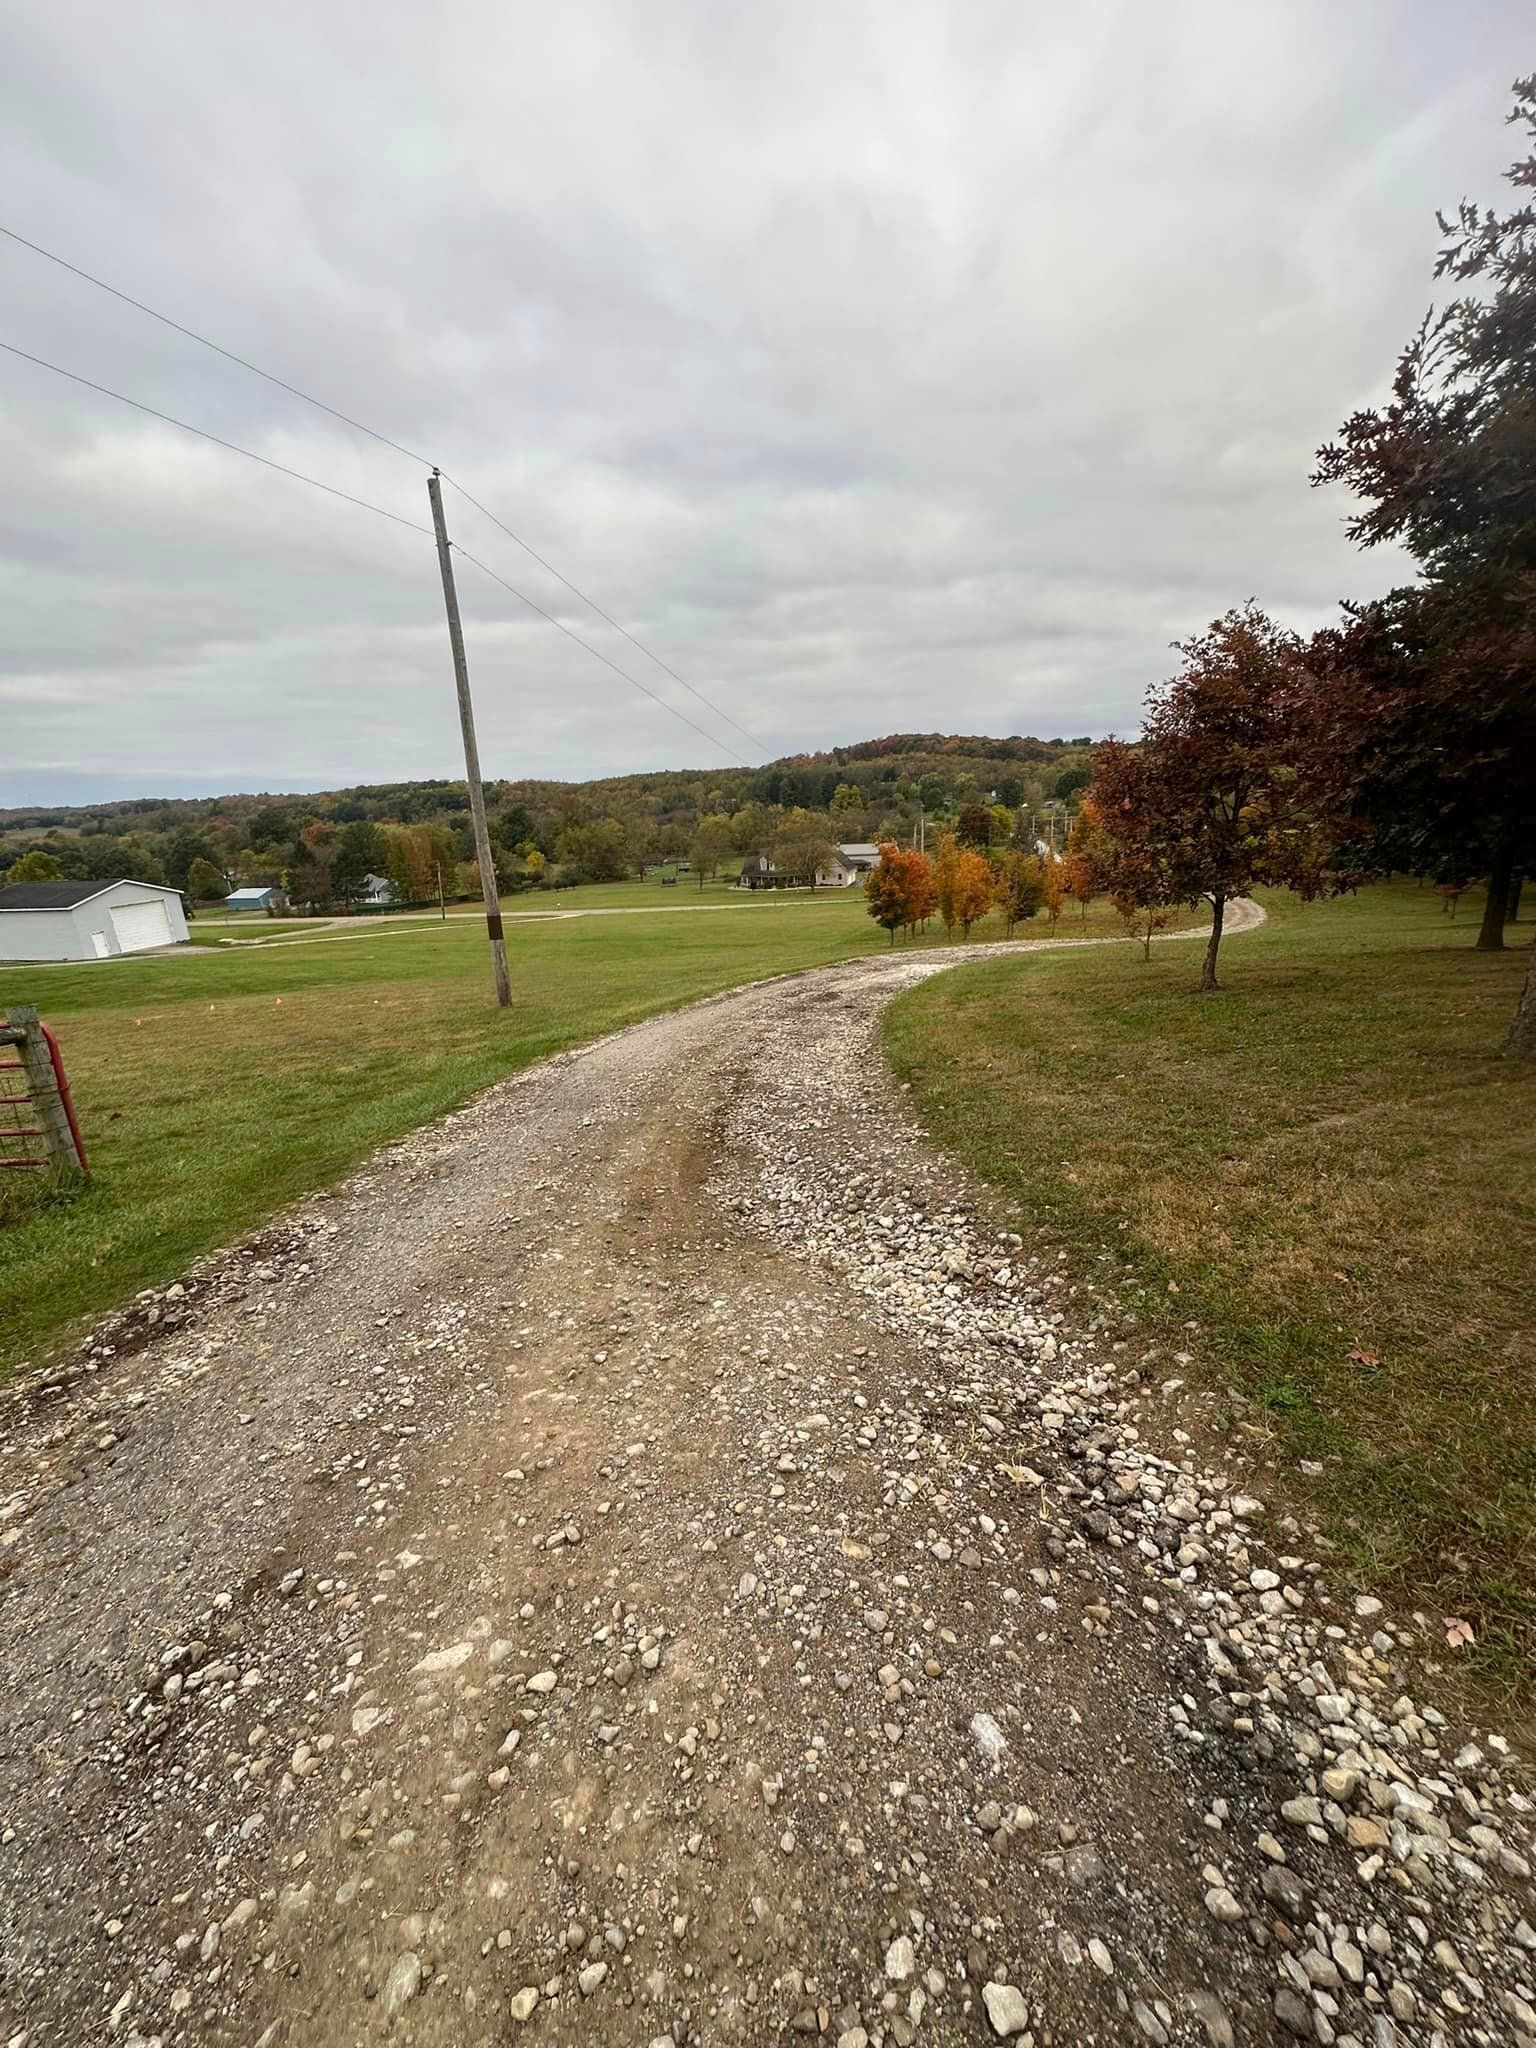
886, 367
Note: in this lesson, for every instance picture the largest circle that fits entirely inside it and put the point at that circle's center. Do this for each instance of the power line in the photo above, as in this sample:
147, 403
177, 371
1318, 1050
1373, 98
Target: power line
570, 634
217, 439
192, 335
384, 440
592, 601
331, 490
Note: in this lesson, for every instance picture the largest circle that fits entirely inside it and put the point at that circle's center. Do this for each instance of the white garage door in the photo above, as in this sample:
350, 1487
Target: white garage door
141, 924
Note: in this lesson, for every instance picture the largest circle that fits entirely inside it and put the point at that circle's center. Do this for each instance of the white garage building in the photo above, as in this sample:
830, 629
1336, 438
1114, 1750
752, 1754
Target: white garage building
87, 920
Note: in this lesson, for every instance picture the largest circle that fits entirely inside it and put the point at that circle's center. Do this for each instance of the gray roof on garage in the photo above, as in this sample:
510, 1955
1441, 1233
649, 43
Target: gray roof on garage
65, 895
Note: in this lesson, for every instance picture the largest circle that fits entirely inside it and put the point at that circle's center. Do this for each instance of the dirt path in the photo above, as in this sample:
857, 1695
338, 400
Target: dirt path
647, 1562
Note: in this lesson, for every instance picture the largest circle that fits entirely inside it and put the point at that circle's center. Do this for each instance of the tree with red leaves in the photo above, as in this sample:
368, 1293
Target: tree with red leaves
1428, 699
1212, 801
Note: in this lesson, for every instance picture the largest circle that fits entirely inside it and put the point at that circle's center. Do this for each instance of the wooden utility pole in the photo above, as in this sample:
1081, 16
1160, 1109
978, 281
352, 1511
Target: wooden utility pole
471, 751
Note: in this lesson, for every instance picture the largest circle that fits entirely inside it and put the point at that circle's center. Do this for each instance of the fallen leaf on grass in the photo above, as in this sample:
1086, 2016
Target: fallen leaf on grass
1458, 1632
1366, 1358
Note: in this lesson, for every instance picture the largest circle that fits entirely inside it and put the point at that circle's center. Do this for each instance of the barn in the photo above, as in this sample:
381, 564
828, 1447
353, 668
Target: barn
87, 920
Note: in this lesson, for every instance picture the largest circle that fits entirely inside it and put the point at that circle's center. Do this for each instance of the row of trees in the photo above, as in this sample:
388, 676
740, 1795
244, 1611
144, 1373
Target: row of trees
962, 885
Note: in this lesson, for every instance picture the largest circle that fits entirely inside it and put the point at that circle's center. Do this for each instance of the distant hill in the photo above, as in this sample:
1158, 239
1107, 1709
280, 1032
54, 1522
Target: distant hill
613, 824
903, 756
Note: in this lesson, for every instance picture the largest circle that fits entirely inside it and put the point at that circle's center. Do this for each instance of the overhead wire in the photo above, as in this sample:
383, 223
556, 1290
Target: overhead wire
366, 505
607, 617
219, 350
571, 634
385, 441
218, 440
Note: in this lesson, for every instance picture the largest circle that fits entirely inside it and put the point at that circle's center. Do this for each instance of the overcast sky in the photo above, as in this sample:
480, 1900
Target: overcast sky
885, 367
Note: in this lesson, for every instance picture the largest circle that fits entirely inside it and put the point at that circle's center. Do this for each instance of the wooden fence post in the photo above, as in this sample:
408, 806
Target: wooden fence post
24, 1030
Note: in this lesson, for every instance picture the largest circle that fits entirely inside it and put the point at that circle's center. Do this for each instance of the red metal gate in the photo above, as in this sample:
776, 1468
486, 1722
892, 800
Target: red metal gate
37, 1117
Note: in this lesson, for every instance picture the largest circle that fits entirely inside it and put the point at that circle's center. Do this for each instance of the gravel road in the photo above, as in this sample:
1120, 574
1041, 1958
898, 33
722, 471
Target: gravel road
655, 1559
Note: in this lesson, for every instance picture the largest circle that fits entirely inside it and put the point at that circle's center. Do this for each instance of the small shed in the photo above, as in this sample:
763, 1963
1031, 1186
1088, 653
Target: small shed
376, 889
259, 896
88, 920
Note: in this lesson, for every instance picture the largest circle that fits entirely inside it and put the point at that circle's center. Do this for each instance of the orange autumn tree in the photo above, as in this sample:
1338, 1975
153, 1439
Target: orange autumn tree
922, 894
964, 884
1081, 864
898, 890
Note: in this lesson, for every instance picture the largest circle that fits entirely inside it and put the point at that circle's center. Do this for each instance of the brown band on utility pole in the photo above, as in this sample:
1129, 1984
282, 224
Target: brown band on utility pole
493, 924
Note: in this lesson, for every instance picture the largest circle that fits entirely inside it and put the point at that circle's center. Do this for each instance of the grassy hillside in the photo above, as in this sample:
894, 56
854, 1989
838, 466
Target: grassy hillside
1329, 1169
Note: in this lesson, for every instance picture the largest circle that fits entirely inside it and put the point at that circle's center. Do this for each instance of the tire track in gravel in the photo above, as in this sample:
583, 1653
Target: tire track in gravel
761, 1601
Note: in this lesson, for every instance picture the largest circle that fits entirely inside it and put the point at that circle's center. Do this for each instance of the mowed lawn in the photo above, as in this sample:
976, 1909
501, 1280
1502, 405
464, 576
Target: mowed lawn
214, 1086
1329, 1169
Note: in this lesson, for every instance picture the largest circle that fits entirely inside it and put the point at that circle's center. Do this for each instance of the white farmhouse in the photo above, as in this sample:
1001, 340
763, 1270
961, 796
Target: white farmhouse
849, 864
87, 920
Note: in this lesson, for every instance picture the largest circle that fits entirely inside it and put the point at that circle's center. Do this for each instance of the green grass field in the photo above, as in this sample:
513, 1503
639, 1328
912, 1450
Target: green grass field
1326, 1159
216, 1084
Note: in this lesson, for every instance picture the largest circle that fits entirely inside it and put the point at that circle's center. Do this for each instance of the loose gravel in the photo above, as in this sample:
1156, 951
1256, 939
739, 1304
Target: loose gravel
658, 1558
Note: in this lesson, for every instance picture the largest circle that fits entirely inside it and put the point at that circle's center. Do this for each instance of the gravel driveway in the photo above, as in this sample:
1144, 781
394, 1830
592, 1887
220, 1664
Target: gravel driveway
652, 1559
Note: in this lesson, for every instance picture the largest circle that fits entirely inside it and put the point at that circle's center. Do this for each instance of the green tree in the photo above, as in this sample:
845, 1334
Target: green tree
307, 878
803, 844
710, 845
181, 850
361, 849
1020, 887
594, 853
272, 825
33, 867
205, 884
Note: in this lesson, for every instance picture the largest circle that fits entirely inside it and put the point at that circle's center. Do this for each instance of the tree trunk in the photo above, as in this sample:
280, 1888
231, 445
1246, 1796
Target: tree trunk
1496, 906
1512, 906
1208, 979
1521, 1042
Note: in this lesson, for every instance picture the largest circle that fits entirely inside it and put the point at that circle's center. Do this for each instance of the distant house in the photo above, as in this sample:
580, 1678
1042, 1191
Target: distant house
376, 889
850, 864
260, 896
88, 920
758, 871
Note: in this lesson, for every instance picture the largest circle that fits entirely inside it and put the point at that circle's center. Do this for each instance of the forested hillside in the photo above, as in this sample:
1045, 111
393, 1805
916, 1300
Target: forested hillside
320, 844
